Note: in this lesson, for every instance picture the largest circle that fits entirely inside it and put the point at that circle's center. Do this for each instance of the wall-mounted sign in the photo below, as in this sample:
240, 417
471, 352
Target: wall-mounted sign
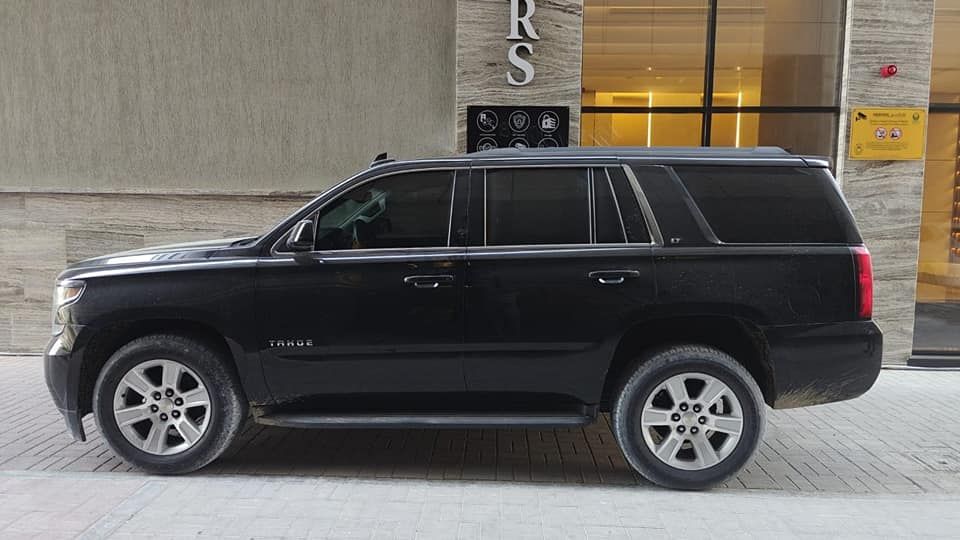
490, 127
887, 134
513, 55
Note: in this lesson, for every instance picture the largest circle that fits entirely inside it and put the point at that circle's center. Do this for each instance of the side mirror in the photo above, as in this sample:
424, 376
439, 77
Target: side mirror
301, 238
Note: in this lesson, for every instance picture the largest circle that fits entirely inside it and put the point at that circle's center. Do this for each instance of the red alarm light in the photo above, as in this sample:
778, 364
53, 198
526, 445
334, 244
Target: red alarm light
888, 70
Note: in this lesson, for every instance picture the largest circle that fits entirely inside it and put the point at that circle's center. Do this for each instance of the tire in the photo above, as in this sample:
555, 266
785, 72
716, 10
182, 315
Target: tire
190, 434
646, 397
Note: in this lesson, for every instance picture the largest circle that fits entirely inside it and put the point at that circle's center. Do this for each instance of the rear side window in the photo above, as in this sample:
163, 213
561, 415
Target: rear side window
770, 204
606, 216
633, 222
537, 206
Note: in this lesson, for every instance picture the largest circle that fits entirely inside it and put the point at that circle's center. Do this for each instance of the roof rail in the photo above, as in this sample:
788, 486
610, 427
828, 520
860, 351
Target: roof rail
381, 159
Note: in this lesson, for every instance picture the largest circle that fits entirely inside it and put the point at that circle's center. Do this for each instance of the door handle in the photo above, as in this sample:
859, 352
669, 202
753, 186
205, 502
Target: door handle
613, 277
428, 282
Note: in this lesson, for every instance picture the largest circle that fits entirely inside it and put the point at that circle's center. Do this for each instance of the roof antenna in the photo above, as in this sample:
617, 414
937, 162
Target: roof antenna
380, 159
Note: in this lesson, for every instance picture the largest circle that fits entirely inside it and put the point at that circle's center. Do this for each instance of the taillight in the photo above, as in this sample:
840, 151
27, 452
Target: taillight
864, 269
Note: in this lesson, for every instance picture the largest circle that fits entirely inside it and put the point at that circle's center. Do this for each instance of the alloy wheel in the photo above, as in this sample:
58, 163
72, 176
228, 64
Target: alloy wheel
692, 421
162, 407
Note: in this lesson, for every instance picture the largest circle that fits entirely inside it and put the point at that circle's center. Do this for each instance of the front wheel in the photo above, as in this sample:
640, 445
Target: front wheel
168, 404
689, 417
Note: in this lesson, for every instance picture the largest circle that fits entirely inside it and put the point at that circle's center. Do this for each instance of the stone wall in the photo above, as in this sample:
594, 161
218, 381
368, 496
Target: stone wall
886, 195
220, 95
41, 233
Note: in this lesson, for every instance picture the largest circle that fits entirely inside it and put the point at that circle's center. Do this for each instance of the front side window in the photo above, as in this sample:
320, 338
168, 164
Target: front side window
537, 206
409, 210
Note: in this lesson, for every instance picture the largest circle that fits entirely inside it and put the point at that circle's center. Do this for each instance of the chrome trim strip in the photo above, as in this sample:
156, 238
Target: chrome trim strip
652, 226
485, 197
453, 196
172, 267
591, 201
616, 204
554, 250
372, 255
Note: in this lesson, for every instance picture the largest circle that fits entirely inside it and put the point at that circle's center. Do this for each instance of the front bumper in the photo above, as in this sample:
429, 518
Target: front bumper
62, 372
823, 363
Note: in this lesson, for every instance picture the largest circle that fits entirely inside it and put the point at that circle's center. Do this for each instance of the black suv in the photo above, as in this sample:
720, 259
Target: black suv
680, 290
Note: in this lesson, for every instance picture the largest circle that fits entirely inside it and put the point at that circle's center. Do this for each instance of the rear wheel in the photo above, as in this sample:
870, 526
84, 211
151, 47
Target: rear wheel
168, 404
689, 417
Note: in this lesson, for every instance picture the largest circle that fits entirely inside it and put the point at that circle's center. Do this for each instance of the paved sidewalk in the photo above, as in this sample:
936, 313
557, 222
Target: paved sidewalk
89, 505
886, 464
901, 437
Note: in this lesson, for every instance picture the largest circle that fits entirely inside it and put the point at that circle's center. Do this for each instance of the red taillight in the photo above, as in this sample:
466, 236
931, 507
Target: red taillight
864, 268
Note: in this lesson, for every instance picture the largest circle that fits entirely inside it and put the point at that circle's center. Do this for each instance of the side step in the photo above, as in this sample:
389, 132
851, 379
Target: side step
424, 420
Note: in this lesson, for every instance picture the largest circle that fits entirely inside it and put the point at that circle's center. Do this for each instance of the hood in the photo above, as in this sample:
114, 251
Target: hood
172, 253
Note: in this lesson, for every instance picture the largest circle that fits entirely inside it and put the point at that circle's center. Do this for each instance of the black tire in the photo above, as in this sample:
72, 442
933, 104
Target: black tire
228, 406
650, 372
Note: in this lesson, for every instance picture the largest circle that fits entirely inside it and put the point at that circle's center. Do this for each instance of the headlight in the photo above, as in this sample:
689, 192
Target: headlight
64, 294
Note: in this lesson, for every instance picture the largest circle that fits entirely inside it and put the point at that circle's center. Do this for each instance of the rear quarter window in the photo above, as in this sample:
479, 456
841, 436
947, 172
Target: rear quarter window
770, 204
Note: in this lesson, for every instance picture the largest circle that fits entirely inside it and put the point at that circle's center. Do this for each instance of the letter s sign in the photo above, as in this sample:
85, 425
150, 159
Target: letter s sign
516, 21
521, 64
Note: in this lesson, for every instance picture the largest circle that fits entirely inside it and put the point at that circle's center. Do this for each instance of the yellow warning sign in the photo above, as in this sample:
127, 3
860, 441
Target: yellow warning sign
887, 134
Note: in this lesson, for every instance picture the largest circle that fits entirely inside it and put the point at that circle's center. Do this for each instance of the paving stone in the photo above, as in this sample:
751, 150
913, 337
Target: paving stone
883, 442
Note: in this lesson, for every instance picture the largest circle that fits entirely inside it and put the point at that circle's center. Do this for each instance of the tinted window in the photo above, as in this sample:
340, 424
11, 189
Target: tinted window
606, 218
770, 204
670, 205
630, 212
400, 211
537, 206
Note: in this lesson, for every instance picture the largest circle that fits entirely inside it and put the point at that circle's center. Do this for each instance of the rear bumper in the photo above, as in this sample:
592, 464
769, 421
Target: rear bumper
823, 363
62, 372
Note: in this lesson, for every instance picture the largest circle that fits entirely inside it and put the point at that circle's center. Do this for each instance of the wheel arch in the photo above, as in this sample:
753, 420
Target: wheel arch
740, 338
101, 345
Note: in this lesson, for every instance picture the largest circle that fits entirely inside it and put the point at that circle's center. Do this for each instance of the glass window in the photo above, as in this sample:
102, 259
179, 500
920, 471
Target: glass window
778, 52
537, 206
644, 52
633, 222
400, 211
640, 129
770, 204
606, 215
945, 72
645, 68
799, 133
938, 266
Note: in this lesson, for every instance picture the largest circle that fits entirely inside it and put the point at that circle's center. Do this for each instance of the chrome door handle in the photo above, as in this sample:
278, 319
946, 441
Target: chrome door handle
428, 282
613, 277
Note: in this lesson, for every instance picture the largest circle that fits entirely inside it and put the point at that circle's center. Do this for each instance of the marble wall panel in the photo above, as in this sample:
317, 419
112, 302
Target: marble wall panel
886, 196
41, 233
482, 65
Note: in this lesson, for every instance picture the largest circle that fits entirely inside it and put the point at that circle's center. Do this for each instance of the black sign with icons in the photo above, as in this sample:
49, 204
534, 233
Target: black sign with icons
517, 127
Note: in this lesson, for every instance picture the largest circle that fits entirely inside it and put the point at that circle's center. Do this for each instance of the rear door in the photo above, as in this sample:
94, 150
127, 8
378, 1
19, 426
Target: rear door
559, 264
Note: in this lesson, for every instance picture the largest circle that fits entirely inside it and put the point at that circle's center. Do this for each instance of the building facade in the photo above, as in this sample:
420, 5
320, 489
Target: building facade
124, 124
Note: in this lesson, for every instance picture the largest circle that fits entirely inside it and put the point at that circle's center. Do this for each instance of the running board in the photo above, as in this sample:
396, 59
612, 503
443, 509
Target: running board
423, 420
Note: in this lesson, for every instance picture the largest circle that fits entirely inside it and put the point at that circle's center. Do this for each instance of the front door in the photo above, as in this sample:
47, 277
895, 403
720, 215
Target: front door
558, 268
377, 307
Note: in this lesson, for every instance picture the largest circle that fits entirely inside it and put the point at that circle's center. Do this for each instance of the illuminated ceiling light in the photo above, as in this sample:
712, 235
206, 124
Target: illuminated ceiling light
739, 104
649, 119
